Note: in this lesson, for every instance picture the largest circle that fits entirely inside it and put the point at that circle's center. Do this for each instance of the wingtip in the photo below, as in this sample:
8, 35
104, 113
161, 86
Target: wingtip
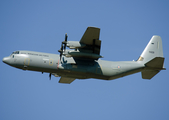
93, 27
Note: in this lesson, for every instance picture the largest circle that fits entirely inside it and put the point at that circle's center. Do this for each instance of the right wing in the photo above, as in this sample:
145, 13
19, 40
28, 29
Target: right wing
91, 39
88, 47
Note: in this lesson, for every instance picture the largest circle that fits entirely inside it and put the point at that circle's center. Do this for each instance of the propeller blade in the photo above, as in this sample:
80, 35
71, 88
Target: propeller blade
61, 51
64, 47
66, 37
65, 42
61, 48
50, 76
61, 55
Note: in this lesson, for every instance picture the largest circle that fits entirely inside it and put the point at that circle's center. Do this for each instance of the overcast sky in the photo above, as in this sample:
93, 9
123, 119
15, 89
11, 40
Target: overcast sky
126, 28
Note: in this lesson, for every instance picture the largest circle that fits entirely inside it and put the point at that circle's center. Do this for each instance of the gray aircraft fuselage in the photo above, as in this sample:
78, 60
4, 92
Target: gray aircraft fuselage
70, 67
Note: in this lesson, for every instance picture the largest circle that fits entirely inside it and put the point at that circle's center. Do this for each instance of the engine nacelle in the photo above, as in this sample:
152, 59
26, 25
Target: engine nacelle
82, 55
75, 44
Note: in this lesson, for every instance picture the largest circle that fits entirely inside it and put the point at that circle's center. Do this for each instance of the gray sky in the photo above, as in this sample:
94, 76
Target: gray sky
126, 28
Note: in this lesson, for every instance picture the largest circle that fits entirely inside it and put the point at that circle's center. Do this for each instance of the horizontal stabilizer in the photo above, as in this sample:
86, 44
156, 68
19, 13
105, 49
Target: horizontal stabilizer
153, 67
157, 63
149, 74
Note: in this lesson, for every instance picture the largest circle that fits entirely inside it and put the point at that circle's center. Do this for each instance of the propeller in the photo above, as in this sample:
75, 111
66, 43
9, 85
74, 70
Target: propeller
63, 47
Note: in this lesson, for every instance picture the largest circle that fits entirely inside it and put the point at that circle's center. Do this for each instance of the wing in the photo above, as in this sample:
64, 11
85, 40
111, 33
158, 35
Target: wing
66, 80
88, 47
91, 41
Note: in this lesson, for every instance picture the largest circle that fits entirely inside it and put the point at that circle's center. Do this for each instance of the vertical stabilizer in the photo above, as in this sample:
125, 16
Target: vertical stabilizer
153, 49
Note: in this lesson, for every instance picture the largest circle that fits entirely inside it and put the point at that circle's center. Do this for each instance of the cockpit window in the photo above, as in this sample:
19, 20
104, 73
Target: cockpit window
16, 52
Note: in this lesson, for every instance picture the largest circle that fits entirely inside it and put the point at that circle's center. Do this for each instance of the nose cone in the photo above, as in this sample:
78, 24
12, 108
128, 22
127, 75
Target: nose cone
6, 60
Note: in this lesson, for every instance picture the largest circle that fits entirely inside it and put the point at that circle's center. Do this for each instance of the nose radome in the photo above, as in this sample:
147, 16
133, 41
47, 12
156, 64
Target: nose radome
6, 60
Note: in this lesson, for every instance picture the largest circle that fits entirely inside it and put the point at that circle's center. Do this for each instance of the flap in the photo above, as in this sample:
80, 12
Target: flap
66, 80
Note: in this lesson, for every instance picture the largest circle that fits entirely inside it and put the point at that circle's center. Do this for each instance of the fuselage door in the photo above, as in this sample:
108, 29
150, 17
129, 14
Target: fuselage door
50, 62
26, 63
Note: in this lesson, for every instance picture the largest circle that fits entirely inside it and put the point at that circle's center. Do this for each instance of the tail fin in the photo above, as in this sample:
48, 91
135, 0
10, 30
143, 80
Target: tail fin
152, 57
153, 49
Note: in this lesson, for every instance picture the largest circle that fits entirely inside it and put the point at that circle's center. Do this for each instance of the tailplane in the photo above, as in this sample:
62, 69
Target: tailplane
153, 67
152, 58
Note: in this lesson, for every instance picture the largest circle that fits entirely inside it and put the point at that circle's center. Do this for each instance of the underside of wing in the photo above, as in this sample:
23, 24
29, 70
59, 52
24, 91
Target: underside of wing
66, 80
91, 41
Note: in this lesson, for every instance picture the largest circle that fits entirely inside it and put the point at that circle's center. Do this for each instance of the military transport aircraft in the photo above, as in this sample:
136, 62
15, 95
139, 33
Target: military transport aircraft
83, 61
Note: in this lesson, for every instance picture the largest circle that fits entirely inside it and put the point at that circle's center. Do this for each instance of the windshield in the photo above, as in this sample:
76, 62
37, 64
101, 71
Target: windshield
16, 52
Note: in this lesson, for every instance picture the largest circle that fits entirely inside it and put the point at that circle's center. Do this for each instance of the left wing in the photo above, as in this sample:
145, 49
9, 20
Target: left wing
66, 80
